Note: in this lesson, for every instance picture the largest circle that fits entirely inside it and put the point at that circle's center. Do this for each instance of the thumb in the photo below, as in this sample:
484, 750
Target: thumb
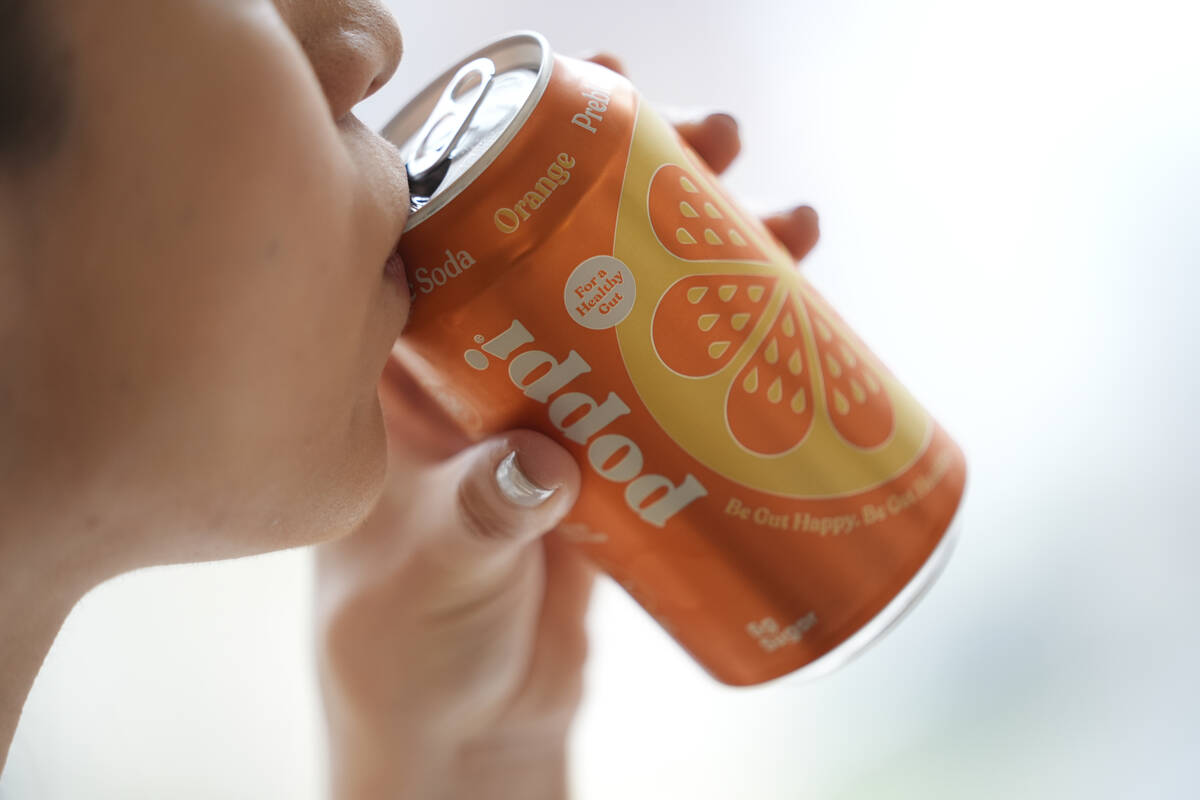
512, 489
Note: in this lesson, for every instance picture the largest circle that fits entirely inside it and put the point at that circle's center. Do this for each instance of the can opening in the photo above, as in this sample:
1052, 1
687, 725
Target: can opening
454, 128
421, 190
451, 118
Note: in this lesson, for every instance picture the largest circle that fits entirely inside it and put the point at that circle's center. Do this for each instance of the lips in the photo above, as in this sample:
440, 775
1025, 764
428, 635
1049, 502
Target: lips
394, 266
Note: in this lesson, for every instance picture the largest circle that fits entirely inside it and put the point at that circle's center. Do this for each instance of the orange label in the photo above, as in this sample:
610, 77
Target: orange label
753, 476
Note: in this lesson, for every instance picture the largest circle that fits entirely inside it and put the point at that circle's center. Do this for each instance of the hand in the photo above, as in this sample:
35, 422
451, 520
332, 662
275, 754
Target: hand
715, 139
450, 630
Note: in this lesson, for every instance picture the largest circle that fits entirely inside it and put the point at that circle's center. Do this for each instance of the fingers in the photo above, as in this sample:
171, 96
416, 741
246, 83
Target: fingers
608, 61
715, 139
417, 427
561, 643
569, 581
512, 489
797, 230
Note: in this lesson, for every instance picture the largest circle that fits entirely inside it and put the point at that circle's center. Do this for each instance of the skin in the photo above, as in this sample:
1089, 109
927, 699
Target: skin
452, 654
197, 315
194, 321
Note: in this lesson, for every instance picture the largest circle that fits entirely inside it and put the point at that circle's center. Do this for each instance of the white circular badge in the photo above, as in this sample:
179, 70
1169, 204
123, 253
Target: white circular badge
600, 293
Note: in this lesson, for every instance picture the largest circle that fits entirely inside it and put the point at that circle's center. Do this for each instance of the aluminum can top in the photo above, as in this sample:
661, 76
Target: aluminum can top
455, 128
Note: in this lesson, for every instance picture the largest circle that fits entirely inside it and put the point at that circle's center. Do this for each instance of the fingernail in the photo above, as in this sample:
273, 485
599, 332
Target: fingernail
727, 120
516, 486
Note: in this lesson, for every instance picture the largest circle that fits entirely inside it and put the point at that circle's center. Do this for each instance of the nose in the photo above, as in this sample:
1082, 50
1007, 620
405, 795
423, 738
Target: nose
354, 47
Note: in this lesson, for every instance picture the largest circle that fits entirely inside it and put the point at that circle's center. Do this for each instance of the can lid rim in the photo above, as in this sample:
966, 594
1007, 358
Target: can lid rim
395, 130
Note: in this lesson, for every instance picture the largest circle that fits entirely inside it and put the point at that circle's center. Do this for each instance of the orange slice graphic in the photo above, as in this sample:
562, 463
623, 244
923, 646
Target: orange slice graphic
702, 321
770, 404
688, 222
737, 358
857, 405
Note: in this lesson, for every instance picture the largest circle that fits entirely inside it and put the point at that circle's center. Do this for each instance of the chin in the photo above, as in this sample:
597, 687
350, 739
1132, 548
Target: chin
328, 500
349, 492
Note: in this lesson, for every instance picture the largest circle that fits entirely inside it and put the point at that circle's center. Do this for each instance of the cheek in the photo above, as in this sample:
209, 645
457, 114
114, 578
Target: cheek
209, 306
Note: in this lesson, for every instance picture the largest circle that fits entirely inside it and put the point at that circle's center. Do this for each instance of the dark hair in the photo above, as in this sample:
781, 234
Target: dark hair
33, 83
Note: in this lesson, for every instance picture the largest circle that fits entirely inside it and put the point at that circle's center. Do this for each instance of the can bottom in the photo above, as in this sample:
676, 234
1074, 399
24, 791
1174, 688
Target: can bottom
885, 620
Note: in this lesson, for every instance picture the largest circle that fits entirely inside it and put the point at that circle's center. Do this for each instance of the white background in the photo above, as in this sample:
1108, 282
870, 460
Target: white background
1010, 215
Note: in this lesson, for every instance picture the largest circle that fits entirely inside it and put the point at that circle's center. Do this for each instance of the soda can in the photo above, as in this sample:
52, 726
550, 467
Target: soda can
752, 474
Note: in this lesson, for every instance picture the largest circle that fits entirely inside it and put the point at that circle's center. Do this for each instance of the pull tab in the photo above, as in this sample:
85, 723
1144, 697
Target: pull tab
450, 119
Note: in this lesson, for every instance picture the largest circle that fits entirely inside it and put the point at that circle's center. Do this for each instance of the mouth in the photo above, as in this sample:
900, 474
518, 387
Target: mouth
399, 291
394, 267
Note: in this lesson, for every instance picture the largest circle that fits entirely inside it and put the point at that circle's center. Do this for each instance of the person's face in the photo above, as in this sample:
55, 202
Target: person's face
208, 310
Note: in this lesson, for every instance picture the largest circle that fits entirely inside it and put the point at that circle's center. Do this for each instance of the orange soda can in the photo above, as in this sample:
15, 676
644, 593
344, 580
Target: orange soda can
752, 475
